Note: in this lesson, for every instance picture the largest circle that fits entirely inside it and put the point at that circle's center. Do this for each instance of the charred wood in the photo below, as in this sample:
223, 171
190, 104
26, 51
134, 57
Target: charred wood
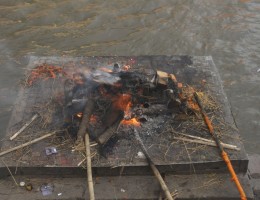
102, 139
85, 119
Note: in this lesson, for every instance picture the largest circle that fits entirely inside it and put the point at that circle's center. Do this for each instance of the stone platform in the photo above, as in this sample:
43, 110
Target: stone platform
171, 156
190, 168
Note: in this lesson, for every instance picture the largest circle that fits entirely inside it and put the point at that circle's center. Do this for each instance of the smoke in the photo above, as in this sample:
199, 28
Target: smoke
104, 77
107, 75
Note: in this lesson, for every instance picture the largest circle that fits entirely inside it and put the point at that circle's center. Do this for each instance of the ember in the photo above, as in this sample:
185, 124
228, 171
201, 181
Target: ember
132, 121
123, 102
44, 72
79, 115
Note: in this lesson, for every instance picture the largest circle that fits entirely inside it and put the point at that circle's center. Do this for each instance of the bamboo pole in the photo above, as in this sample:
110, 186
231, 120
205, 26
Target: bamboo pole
161, 181
89, 168
223, 154
28, 143
23, 127
209, 143
154, 168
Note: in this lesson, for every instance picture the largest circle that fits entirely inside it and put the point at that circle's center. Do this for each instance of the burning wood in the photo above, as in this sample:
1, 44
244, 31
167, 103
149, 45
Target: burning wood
85, 120
132, 121
121, 100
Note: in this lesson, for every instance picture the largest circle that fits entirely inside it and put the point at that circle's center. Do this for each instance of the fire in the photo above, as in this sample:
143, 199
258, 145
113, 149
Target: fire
132, 121
123, 102
79, 115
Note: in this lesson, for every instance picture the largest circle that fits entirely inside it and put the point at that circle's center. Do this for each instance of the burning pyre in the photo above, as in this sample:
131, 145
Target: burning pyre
101, 100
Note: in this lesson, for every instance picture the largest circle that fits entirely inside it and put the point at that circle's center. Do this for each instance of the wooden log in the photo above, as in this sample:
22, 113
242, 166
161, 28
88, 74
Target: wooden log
23, 127
85, 120
28, 143
89, 168
111, 121
102, 139
154, 168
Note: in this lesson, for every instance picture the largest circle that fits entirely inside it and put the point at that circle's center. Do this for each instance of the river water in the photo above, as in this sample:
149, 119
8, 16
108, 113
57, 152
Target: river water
229, 31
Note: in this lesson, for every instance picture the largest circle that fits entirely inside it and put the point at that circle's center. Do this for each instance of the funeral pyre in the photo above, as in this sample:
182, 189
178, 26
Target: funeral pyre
102, 100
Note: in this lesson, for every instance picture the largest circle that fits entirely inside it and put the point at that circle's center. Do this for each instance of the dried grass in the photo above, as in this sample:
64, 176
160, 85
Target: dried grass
46, 112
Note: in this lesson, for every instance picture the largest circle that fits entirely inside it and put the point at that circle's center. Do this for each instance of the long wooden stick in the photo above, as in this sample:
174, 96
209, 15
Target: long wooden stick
209, 143
228, 146
24, 127
153, 167
223, 154
89, 168
28, 143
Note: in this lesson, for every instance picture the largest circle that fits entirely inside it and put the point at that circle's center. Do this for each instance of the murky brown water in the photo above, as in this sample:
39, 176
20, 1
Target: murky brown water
227, 30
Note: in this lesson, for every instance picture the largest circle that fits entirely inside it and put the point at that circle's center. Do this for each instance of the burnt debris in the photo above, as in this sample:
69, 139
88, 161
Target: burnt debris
101, 101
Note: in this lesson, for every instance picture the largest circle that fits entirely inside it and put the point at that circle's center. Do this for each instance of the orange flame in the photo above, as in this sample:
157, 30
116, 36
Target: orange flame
123, 102
79, 115
132, 121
